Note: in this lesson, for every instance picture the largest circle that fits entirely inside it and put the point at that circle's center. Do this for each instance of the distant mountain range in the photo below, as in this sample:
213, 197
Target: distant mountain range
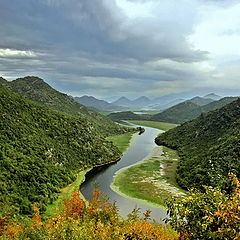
92, 102
189, 110
179, 113
138, 102
142, 103
162, 103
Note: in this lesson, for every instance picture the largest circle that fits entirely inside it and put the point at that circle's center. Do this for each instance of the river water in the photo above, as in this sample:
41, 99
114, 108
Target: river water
142, 145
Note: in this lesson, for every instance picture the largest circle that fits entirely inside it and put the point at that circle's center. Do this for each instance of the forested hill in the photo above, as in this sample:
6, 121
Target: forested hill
39, 150
209, 147
37, 90
128, 115
189, 110
179, 113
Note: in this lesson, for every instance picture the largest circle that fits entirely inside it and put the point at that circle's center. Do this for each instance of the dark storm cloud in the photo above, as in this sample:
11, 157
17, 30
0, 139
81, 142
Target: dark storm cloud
80, 44
93, 27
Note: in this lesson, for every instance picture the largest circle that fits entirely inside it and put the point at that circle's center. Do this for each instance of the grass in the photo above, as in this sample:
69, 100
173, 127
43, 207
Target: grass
152, 180
66, 193
159, 125
121, 141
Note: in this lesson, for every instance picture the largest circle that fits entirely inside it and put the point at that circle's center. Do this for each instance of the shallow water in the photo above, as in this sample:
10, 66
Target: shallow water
142, 145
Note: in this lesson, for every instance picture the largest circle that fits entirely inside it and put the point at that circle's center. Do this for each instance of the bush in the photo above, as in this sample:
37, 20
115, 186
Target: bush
213, 214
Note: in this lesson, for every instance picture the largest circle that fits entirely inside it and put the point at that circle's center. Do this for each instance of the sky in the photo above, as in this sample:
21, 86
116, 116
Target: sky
127, 48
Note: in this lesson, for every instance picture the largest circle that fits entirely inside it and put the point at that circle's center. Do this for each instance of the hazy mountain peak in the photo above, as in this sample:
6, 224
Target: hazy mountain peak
123, 98
92, 102
200, 100
213, 96
122, 101
143, 98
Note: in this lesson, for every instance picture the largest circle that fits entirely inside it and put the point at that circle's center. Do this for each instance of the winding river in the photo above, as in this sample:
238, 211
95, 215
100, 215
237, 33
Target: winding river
142, 145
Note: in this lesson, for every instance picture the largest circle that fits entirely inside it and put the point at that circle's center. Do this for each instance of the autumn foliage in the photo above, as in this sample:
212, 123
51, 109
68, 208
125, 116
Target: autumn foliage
96, 219
211, 215
214, 214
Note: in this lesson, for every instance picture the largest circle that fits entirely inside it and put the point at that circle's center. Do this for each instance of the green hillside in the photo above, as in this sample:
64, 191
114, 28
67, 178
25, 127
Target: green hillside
209, 147
179, 113
128, 115
40, 149
37, 90
189, 110
200, 100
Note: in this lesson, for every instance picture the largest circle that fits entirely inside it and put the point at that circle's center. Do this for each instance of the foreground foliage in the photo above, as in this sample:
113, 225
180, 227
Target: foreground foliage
97, 220
211, 215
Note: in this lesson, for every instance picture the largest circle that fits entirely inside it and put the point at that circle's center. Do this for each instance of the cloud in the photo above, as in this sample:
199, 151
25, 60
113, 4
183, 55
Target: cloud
117, 47
13, 53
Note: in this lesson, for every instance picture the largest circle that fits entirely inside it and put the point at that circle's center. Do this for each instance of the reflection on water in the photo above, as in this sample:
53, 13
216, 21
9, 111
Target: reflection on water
142, 146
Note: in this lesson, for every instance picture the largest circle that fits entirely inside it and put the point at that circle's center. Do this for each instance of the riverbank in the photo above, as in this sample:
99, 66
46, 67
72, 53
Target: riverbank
153, 124
54, 208
122, 141
152, 180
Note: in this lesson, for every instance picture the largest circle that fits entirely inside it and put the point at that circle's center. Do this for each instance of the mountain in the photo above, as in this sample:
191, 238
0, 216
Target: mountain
179, 113
213, 96
138, 102
41, 149
164, 105
128, 115
171, 103
93, 102
37, 90
188, 110
209, 147
122, 101
167, 98
201, 100
141, 101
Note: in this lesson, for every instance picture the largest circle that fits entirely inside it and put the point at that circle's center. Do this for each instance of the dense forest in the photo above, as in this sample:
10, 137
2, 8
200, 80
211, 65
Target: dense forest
37, 90
209, 147
128, 115
189, 110
40, 149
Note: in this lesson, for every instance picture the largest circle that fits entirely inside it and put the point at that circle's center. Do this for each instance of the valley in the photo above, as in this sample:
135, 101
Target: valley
119, 120
68, 146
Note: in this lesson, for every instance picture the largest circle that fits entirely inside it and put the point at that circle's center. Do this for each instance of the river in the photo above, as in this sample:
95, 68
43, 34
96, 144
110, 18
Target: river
142, 145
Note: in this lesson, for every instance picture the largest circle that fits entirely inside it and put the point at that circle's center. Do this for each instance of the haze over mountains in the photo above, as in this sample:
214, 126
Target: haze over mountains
178, 113
92, 102
143, 102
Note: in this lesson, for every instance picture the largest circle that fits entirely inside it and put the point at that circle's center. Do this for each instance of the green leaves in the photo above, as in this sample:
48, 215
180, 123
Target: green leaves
209, 147
209, 215
41, 148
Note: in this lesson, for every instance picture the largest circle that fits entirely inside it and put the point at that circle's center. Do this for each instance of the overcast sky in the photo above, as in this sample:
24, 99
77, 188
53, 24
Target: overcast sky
123, 47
